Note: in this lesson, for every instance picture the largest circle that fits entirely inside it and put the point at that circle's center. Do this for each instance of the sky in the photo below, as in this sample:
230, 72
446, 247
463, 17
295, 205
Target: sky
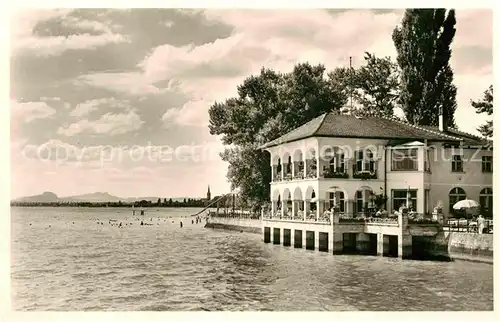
117, 100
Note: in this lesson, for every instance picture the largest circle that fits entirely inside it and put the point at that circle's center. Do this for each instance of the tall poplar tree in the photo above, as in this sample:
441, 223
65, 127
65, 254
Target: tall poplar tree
423, 52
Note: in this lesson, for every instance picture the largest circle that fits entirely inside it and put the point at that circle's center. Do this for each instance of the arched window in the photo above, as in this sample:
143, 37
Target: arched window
312, 206
455, 195
313, 159
486, 201
289, 165
300, 162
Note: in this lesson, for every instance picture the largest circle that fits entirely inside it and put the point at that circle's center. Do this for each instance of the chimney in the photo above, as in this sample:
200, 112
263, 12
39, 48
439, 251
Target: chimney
442, 124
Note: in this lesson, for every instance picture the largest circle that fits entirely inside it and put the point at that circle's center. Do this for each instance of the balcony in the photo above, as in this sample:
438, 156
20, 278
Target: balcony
299, 175
363, 174
311, 173
299, 217
335, 173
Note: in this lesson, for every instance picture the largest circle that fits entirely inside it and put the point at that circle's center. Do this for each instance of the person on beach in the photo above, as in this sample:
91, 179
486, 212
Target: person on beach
181, 224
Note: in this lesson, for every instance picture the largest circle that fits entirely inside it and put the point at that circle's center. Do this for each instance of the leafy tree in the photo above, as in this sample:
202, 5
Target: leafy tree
376, 86
268, 105
342, 80
423, 46
485, 106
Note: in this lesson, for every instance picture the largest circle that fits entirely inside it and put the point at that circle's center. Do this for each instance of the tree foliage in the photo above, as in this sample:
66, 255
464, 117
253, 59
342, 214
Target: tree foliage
423, 46
485, 105
376, 86
267, 106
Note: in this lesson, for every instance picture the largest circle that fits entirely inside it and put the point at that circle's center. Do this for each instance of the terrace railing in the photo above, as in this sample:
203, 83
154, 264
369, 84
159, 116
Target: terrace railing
468, 226
338, 172
299, 175
363, 174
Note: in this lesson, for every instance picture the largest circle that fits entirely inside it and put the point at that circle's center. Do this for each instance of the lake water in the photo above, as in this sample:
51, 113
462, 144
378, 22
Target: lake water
78, 264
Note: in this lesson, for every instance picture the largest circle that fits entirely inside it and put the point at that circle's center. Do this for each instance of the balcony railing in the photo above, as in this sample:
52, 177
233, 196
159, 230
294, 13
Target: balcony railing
311, 173
338, 172
363, 174
367, 218
299, 217
299, 175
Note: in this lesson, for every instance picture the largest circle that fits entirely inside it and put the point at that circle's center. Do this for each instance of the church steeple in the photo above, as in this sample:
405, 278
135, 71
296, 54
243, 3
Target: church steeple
208, 193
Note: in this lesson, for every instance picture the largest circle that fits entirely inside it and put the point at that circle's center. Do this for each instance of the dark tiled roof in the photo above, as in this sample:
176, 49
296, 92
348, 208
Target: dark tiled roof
335, 125
468, 139
301, 132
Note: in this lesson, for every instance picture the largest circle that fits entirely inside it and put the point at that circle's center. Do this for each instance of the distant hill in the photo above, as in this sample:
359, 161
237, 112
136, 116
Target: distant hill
93, 197
90, 197
44, 197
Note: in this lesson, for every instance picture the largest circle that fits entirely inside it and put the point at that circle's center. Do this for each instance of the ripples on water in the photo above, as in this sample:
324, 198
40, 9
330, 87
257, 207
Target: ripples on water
87, 266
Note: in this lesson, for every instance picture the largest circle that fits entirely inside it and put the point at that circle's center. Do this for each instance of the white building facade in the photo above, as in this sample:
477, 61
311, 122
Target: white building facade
351, 163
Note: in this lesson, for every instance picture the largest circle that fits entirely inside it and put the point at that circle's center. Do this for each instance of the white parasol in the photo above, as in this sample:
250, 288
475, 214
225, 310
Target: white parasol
466, 204
470, 206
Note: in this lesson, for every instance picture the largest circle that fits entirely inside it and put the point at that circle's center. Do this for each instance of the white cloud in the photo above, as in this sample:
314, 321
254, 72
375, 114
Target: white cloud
86, 24
51, 46
23, 40
87, 107
23, 21
111, 124
49, 99
193, 113
132, 83
168, 23
168, 61
30, 111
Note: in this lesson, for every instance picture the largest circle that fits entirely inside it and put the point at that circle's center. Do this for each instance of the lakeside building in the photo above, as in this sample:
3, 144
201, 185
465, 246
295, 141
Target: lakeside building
346, 163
